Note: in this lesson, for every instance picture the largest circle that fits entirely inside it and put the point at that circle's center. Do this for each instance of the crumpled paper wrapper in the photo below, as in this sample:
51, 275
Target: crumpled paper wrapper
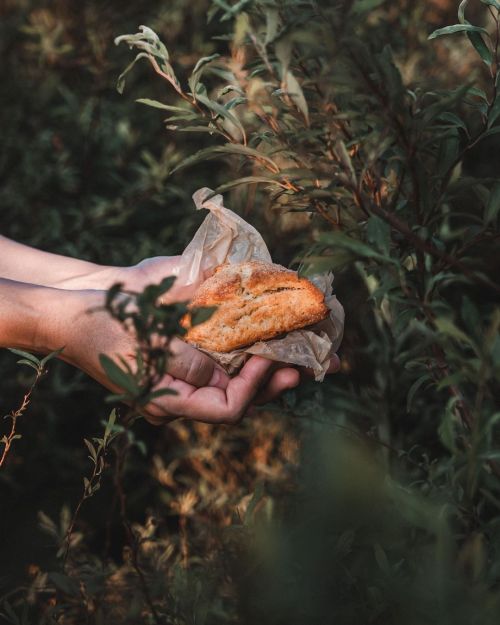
224, 237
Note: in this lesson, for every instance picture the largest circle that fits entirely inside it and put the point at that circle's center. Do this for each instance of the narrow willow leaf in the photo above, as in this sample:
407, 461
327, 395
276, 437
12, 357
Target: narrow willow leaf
457, 28
26, 355
446, 428
481, 47
50, 356
120, 83
283, 50
117, 375
23, 361
159, 393
207, 129
492, 3
198, 71
492, 131
414, 388
221, 150
110, 424
204, 61
450, 380
454, 120
160, 105
220, 111
493, 206
294, 90
358, 248
461, 11
91, 448
247, 180
447, 327
364, 6
379, 233
272, 17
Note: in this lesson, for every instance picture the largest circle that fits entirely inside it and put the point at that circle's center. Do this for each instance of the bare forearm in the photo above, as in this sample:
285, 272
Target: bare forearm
26, 264
28, 316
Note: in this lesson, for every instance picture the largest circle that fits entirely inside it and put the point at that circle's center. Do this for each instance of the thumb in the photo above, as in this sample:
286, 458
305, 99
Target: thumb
194, 367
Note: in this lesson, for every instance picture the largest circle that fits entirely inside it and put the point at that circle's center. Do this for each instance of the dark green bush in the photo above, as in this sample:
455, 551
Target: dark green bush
355, 145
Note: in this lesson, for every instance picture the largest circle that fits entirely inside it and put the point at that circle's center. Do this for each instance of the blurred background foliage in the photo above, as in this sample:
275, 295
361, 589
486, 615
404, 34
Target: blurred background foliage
372, 498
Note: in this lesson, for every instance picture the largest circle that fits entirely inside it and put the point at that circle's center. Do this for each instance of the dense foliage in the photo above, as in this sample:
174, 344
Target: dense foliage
354, 144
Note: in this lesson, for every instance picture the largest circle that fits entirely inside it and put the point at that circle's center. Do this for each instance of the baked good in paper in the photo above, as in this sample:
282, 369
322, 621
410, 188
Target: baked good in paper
255, 301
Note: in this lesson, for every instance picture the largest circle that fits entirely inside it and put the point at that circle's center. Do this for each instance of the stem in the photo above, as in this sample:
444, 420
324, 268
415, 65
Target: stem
14, 416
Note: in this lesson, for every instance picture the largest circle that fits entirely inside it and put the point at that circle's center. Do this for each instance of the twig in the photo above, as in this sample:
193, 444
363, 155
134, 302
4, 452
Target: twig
14, 416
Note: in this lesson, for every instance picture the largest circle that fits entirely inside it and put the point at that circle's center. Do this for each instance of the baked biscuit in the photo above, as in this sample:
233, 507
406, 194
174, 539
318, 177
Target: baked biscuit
255, 302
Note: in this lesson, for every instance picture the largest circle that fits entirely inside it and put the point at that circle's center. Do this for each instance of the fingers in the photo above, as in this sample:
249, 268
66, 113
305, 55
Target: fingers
243, 388
281, 380
212, 404
194, 367
221, 400
333, 367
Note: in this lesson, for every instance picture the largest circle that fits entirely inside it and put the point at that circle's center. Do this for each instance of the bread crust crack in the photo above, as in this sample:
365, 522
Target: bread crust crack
255, 302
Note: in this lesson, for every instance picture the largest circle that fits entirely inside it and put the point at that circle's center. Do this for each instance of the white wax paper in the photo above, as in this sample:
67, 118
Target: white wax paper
224, 237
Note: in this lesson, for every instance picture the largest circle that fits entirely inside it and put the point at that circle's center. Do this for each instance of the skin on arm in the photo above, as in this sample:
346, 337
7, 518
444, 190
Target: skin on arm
22, 263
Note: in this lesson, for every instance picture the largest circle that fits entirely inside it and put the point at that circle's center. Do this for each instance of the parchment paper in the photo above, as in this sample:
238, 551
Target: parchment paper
224, 237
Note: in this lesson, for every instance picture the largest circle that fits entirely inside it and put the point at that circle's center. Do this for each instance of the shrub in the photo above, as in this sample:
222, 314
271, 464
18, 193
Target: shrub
389, 511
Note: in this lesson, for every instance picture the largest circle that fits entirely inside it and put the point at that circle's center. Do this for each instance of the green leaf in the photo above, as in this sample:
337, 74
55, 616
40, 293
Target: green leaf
25, 355
379, 233
198, 71
110, 423
161, 392
272, 16
461, 11
457, 28
283, 50
50, 356
447, 327
364, 6
414, 388
117, 375
204, 61
120, 83
446, 428
160, 105
481, 47
454, 120
219, 110
492, 3
247, 180
28, 363
202, 314
358, 248
294, 91
493, 206
91, 448
221, 150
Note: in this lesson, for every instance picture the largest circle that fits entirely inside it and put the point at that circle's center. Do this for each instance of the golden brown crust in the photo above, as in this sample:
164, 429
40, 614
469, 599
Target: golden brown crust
255, 302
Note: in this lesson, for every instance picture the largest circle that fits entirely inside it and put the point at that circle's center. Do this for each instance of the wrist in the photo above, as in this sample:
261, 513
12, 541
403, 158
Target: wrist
61, 318
94, 277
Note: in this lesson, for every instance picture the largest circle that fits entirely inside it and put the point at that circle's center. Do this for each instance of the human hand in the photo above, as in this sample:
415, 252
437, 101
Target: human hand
204, 392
